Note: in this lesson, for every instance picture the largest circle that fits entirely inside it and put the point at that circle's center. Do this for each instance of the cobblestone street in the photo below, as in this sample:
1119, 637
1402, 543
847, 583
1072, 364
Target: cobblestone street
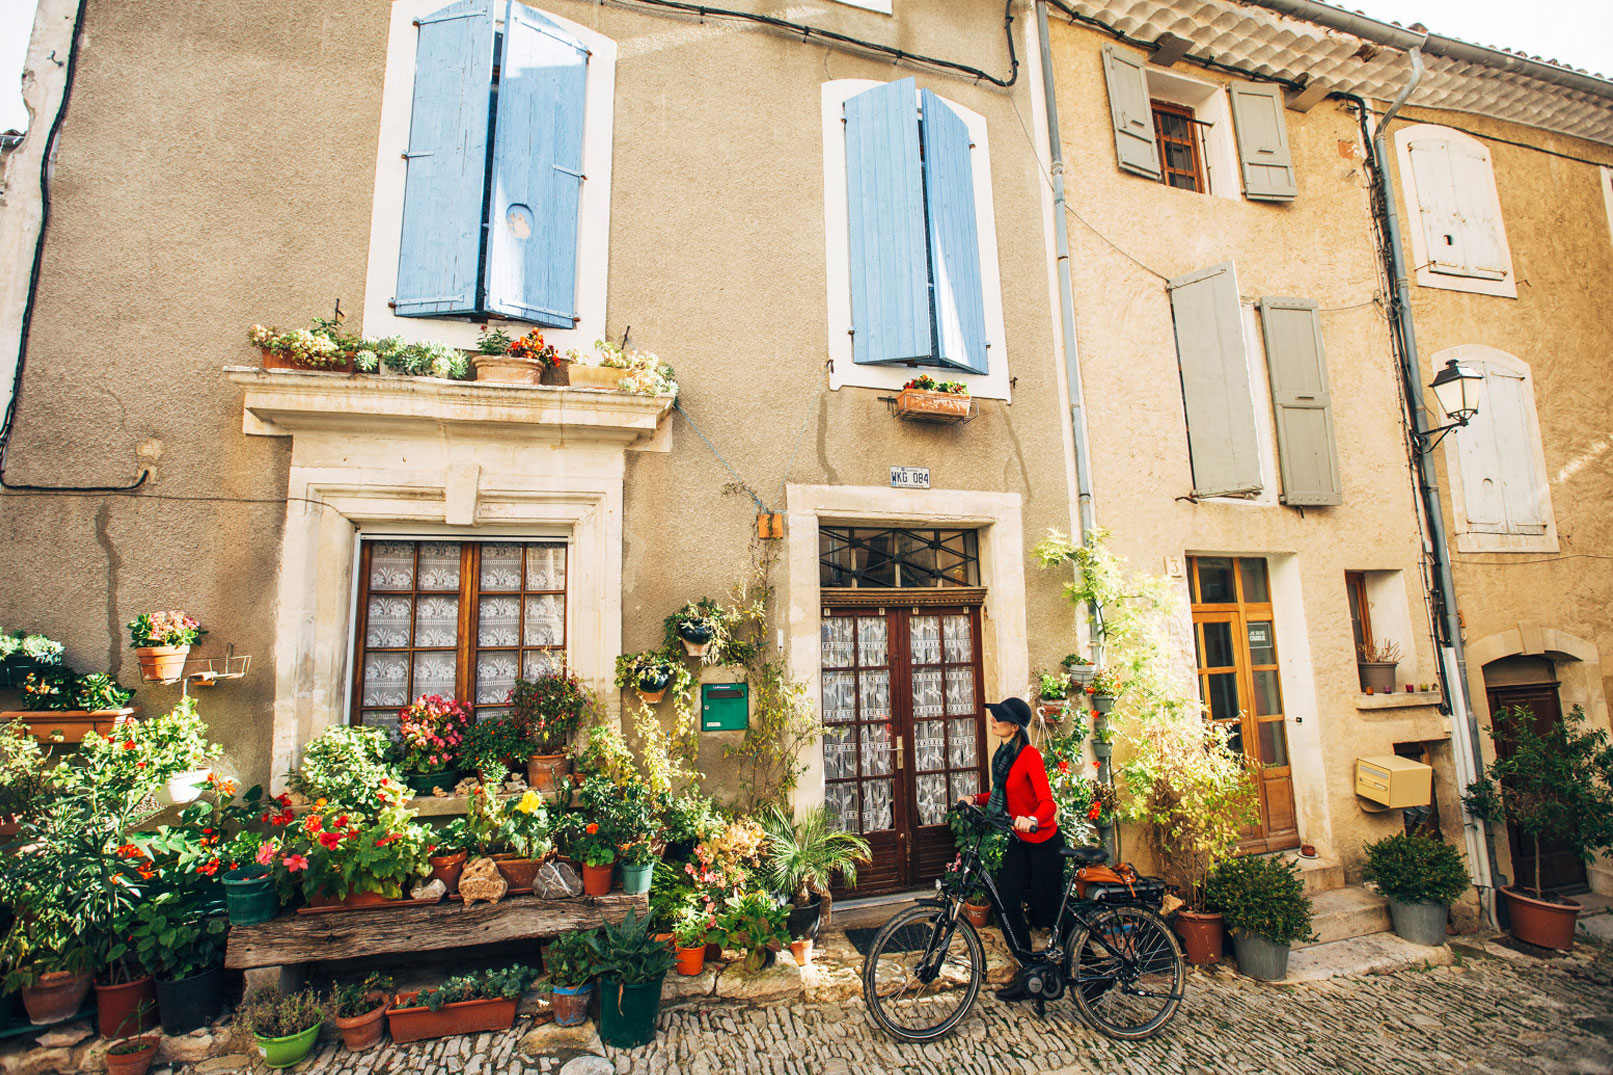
1492, 1010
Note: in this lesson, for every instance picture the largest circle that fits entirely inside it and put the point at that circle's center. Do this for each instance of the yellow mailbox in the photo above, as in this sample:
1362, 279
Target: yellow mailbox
1394, 781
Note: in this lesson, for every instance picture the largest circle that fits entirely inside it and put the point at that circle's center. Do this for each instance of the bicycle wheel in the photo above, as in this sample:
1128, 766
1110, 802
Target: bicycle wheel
922, 975
1128, 978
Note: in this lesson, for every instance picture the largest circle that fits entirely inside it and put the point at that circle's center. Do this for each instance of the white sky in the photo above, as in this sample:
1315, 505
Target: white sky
1576, 32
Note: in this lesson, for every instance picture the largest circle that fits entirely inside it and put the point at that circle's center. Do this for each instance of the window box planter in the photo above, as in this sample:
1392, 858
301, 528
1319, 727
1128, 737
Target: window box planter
921, 405
466, 1017
608, 377
507, 369
70, 724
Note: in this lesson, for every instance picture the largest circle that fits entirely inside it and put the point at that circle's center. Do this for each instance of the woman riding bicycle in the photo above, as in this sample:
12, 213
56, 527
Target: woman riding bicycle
1031, 862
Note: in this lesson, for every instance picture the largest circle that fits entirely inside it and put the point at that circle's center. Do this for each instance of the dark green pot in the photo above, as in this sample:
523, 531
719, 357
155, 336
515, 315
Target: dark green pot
249, 896
627, 1012
422, 783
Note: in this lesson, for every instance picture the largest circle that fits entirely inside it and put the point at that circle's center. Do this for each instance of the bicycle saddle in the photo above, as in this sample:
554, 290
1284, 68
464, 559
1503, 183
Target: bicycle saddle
1086, 856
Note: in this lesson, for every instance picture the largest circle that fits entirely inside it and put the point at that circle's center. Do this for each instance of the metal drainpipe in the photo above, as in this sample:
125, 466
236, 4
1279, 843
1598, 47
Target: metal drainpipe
1085, 522
1453, 659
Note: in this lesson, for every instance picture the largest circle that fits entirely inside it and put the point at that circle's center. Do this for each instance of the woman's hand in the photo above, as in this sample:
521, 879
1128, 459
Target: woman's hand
1024, 824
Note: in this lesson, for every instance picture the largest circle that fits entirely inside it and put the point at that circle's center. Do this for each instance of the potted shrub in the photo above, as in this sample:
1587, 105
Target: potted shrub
430, 732
685, 820
467, 1004
183, 946
1420, 877
1376, 663
344, 765
925, 397
638, 861
689, 931
355, 859
648, 673
161, 641
752, 922
125, 995
548, 710
803, 857
1265, 906
132, 1056
1050, 694
631, 966
569, 963
22, 775
1553, 784
489, 746
284, 1025
359, 1010
494, 362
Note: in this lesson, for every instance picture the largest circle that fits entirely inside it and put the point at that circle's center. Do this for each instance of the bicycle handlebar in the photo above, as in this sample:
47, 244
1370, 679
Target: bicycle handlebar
981, 818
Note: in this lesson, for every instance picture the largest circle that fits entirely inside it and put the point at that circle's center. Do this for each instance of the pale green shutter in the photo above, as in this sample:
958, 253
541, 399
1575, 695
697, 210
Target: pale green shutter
1300, 402
1132, 113
1215, 382
1268, 165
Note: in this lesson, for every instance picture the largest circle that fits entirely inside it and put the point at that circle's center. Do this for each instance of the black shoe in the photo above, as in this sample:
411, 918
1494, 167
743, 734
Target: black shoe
1014, 990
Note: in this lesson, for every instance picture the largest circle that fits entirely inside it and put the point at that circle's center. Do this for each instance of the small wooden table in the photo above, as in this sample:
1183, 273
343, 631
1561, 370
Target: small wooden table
293, 938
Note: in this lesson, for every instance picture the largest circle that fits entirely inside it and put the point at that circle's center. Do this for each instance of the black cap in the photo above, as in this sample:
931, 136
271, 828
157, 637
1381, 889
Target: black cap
1013, 710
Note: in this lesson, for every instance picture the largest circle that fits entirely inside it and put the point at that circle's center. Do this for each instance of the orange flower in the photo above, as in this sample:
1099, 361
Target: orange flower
312, 824
319, 804
592, 828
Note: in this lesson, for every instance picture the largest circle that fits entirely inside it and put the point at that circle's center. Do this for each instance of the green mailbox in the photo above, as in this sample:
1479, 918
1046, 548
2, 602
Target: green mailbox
724, 707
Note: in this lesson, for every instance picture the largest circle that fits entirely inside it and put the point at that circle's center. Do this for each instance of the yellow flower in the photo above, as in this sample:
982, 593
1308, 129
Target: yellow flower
529, 802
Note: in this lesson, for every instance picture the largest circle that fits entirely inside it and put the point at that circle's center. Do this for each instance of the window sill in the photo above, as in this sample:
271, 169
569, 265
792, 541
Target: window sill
1397, 701
279, 403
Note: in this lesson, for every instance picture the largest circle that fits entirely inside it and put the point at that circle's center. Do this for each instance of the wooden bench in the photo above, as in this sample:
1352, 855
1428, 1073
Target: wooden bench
294, 938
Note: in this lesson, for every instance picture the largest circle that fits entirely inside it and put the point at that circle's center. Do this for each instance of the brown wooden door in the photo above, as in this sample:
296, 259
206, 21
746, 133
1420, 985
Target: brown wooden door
1560, 866
904, 731
1235, 641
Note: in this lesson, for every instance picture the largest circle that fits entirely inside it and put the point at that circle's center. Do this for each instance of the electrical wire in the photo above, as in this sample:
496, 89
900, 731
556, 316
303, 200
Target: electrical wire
678, 406
809, 32
9, 423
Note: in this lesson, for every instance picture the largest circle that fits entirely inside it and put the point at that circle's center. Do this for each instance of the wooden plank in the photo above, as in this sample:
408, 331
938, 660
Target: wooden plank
293, 938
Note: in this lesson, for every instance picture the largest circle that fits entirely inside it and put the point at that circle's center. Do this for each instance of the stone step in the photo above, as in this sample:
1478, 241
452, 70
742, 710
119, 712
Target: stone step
1341, 913
1318, 874
1373, 953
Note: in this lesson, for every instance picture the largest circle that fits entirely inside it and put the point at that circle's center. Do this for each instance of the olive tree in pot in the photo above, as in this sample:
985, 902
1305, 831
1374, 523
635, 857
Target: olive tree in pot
1420, 877
803, 857
1553, 783
1265, 906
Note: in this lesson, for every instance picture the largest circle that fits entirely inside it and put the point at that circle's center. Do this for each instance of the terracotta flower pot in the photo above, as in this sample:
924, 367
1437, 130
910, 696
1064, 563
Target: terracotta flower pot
695, 649
137, 1062
165, 663
1203, 934
56, 996
652, 697
977, 913
466, 1017
544, 772
595, 376
667, 939
596, 880
128, 1010
363, 1031
691, 961
506, 369
557, 374
802, 951
1549, 925
447, 868
518, 872
570, 1004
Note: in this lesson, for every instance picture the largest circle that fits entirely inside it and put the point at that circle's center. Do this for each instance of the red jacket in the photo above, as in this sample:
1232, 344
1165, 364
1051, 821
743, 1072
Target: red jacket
1028, 794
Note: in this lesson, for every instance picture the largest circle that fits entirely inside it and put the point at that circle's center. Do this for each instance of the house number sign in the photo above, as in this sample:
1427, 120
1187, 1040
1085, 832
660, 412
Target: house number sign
910, 477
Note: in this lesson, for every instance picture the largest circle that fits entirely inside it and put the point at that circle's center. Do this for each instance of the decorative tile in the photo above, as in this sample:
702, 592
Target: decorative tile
386, 626
392, 565
436, 621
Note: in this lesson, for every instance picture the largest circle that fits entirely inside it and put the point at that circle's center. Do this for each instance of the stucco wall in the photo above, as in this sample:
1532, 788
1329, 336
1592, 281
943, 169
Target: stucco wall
1128, 235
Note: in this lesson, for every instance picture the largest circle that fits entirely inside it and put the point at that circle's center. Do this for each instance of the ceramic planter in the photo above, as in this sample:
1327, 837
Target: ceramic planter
636, 877
1101, 750
696, 639
249, 896
1050, 710
447, 868
1103, 703
361, 1032
1260, 958
1537, 922
517, 872
466, 1017
507, 369
557, 374
286, 1051
804, 922
164, 663
653, 690
802, 951
1203, 936
596, 880
56, 996
570, 1004
627, 1012
136, 1062
190, 1003
185, 788
124, 1011
423, 783
1420, 923
544, 772
595, 376
1377, 677
977, 913
691, 961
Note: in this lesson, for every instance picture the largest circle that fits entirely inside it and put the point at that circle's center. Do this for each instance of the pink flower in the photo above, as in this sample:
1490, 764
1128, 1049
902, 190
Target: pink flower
294, 863
266, 853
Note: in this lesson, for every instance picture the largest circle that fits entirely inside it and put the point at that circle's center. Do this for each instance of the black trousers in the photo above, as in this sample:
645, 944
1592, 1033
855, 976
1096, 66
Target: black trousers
1034, 873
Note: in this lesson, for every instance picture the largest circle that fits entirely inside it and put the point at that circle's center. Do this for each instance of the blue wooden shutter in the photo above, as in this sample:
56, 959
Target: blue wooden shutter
949, 195
536, 184
1215, 382
890, 276
440, 245
1302, 404
1268, 164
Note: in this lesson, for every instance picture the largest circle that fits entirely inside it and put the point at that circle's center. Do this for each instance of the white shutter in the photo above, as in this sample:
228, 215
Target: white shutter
1477, 448
1444, 233
1475, 206
1506, 395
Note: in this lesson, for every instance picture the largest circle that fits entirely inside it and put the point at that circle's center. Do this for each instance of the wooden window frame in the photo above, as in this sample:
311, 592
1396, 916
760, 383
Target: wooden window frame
1195, 152
469, 595
1355, 586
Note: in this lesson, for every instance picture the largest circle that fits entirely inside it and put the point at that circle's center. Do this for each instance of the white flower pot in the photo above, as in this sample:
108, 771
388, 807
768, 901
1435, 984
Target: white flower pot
185, 788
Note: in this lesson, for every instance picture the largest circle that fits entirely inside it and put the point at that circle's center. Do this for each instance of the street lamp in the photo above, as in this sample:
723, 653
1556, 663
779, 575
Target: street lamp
1457, 388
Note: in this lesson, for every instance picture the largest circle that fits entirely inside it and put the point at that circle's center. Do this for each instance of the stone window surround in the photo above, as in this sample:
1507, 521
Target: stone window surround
1004, 641
421, 457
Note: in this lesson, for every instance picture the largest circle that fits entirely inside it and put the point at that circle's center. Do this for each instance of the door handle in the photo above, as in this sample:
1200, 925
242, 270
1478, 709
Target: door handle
899, 745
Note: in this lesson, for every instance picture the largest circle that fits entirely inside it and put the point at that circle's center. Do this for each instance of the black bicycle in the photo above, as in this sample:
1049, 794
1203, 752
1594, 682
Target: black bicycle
1120, 962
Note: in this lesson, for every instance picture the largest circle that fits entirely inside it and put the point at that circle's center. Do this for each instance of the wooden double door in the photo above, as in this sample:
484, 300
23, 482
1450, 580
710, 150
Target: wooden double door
904, 730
